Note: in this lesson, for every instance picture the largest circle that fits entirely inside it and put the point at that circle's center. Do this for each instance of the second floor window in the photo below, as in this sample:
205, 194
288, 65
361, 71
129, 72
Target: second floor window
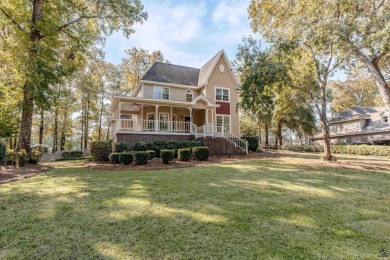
160, 92
222, 94
385, 119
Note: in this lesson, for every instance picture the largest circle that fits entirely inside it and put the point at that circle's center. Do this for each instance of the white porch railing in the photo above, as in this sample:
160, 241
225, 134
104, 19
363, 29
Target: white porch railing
141, 125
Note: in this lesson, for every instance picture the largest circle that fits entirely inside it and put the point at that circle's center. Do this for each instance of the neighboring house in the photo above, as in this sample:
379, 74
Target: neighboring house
359, 125
175, 102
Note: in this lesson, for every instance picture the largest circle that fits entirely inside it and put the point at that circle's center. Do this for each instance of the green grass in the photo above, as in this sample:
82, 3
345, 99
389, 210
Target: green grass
266, 209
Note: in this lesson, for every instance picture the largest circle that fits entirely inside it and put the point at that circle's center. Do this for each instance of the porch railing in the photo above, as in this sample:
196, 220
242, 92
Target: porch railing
141, 125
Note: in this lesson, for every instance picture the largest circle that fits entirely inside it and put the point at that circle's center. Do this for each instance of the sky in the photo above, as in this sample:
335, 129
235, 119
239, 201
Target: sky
188, 32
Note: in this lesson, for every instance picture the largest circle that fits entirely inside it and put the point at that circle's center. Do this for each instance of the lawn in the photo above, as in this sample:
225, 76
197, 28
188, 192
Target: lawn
290, 208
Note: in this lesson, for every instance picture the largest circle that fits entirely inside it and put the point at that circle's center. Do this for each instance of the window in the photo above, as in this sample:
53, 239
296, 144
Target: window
223, 121
160, 92
189, 95
222, 94
385, 119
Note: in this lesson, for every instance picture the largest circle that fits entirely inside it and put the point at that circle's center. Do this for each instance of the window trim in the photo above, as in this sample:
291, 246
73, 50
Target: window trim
192, 95
215, 94
230, 120
162, 87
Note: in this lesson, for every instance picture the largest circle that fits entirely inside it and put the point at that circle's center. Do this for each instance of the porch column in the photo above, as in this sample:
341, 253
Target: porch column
171, 122
206, 130
119, 116
142, 123
156, 120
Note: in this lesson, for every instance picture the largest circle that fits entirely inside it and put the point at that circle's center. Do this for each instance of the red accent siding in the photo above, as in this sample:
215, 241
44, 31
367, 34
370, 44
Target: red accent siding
224, 108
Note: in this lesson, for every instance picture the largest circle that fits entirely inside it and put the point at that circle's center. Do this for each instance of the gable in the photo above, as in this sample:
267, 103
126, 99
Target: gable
222, 79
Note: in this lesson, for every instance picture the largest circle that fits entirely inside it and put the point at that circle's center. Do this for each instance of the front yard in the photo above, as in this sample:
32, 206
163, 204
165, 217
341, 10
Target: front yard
281, 207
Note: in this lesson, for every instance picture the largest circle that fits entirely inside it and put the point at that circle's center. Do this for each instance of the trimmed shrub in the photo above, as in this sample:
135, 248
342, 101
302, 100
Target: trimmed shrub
126, 158
253, 142
171, 145
122, 147
375, 150
101, 150
201, 153
40, 147
114, 158
140, 146
152, 154
184, 154
10, 157
35, 156
3, 153
167, 156
69, 155
21, 158
302, 148
141, 157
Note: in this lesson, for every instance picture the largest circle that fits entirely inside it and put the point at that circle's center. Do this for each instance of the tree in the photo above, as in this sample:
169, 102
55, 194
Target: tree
47, 30
357, 29
258, 73
358, 89
293, 27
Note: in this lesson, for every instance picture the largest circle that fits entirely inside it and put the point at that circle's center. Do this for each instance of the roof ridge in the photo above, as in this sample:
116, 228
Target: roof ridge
212, 58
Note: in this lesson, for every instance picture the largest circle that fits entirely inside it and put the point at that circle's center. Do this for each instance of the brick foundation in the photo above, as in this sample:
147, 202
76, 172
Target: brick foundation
134, 138
221, 146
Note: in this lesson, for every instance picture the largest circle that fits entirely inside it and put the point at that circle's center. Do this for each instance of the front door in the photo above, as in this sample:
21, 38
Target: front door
187, 121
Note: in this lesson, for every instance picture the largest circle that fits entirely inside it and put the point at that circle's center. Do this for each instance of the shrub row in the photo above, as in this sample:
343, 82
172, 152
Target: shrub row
301, 148
376, 150
40, 147
165, 145
127, 158
67, 155
19, 158
253, 142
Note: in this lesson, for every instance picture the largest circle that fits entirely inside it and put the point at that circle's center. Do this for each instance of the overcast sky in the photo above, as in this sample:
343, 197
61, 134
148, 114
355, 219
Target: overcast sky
188, 32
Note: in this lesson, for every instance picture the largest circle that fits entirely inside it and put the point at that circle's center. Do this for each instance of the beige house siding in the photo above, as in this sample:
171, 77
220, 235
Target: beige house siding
347, 127
176, 93
224, 80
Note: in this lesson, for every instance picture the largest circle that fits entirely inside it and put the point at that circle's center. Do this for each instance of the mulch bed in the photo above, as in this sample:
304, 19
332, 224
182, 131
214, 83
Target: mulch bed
13, 173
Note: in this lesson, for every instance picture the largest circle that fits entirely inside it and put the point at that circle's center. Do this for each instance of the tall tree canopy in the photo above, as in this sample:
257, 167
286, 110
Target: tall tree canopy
51, 36
358, 29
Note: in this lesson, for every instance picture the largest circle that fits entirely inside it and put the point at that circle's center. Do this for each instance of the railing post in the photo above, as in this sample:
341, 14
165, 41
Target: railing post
119, 124
204, 131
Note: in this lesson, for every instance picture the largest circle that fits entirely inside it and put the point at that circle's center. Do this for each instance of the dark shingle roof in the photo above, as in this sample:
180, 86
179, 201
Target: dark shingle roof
357, 112
173, 74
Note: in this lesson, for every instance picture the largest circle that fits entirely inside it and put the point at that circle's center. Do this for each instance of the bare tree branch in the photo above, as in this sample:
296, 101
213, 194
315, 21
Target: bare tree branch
12, 20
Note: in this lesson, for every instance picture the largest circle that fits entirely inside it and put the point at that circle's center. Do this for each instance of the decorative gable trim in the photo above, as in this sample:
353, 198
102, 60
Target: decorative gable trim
201, 97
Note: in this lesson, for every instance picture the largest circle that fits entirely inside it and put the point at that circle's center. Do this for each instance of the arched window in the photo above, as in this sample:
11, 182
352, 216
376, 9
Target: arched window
189, 95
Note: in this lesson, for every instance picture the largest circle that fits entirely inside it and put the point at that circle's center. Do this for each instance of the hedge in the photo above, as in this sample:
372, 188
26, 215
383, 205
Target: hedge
201, 153
167, 156
171, 145
253, 142
302, 148
376, 150
121, 147
35, 156
114, 158
126, 158
3, 153
140, 146
141, 157
40, 147
21, 158
101, 150
184, 154
71, 155
152, 154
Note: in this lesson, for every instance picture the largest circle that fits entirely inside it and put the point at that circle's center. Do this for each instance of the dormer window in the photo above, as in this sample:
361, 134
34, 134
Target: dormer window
385, 119
189, 95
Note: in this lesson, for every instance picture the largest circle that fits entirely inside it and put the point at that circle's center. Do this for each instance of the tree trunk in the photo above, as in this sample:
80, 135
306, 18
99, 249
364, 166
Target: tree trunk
86, 127
28, 101
259, 135
279, 135
325, 125
100, 118
41, 126
108, 132
266, 135
55, 131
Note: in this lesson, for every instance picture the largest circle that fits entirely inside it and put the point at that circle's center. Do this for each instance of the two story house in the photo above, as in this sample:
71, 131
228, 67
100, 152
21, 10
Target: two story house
359, 125
174, 102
